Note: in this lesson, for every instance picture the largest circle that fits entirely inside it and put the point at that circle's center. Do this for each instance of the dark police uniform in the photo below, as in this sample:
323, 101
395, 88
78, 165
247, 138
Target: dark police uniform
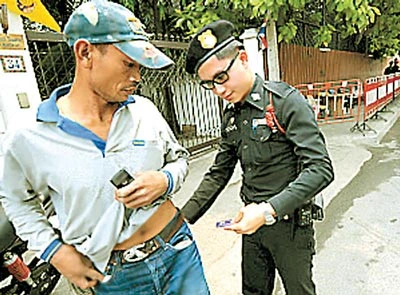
286, 170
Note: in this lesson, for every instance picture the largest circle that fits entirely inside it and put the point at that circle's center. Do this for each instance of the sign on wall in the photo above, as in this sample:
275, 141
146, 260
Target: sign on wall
11, 42
13, 63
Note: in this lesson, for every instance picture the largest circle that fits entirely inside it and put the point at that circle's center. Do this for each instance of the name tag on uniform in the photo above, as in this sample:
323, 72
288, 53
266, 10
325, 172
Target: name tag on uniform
257, 122
138, 142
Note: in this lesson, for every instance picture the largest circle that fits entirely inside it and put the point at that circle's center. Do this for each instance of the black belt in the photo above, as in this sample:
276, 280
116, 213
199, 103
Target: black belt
143, 250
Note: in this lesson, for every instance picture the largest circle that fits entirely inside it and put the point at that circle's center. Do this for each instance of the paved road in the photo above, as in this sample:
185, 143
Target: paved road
358, 244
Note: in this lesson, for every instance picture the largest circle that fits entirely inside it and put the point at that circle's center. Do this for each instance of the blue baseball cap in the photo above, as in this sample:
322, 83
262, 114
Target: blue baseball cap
104, 22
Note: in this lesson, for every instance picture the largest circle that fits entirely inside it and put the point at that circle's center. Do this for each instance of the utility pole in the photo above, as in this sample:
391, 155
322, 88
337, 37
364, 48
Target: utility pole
272, 51
250, 43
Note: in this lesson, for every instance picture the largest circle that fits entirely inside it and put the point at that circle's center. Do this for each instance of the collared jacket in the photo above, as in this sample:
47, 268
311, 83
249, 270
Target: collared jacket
59, 158
286, 170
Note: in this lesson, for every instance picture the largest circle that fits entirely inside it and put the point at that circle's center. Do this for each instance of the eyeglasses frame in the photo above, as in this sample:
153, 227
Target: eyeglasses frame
212, 82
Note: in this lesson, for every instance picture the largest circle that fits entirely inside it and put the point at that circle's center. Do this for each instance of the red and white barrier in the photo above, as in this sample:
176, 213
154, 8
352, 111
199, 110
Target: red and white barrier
334, 101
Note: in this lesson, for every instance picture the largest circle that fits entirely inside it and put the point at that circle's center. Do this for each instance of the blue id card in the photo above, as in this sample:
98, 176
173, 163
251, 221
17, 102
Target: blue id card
224, 223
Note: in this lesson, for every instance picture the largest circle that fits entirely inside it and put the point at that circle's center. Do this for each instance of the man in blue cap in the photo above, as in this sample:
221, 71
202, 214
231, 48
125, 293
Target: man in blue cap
123, 236
270, 128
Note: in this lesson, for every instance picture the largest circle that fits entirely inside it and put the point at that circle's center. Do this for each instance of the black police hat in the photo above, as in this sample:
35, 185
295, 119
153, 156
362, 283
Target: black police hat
208, 41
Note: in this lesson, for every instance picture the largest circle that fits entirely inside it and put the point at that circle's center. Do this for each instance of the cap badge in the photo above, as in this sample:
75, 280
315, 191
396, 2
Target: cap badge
207, 39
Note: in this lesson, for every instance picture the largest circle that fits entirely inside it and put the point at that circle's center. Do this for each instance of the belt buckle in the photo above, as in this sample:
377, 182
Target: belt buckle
139, 252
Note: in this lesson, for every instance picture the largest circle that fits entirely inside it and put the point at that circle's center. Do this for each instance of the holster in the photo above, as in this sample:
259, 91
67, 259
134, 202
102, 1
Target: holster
312, 210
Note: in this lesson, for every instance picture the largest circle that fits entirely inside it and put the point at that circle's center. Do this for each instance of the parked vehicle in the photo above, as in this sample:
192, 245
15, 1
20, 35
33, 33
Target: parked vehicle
20, 271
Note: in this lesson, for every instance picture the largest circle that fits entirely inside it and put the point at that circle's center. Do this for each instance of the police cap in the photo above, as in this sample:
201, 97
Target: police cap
208, 41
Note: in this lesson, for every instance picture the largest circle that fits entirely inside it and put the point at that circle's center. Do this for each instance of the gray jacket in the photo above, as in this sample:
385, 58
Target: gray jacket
59, 158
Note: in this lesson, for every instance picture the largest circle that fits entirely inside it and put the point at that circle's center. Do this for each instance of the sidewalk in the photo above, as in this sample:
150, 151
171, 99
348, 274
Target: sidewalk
220, 250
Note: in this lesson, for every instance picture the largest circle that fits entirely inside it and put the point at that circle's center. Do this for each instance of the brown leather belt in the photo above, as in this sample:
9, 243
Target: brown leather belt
136, 248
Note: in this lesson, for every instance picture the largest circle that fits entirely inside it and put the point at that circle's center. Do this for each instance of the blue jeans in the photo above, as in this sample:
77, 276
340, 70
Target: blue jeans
174, 269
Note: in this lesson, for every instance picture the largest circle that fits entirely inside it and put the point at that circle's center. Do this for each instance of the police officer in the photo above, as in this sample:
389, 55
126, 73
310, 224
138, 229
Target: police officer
271, 129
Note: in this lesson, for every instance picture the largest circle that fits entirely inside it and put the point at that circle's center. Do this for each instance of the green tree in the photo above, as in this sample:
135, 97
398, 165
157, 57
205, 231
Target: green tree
375, 23
157, 15
383, 35
370, 26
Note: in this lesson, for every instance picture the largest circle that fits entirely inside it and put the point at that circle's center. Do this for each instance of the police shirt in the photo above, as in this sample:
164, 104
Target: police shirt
284, 169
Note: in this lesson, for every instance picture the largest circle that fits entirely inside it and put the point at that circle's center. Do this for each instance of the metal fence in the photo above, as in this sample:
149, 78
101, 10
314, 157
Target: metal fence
192, 113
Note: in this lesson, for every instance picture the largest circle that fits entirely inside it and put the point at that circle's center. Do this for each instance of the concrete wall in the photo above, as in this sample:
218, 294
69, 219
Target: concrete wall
13, 83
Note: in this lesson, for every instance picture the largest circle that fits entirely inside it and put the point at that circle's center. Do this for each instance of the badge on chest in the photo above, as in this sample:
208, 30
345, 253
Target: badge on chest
231, 126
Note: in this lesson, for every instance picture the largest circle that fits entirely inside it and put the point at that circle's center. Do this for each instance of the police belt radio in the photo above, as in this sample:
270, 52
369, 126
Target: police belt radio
307, 213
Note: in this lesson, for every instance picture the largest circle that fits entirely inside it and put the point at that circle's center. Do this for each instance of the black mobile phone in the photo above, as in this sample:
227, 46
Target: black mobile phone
121, 178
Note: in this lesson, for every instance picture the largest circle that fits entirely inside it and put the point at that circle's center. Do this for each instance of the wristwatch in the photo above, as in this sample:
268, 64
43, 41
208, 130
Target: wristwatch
269, 218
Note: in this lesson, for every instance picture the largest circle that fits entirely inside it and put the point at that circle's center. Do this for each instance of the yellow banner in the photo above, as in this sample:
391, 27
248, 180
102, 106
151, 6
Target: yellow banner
34, 10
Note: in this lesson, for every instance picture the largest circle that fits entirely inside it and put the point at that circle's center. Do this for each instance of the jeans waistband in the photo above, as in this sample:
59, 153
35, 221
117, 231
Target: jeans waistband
143, 250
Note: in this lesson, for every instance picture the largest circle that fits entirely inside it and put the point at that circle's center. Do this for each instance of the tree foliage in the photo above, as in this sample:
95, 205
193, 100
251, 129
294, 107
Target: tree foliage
372, 24
376, 21
158, 16
383, 35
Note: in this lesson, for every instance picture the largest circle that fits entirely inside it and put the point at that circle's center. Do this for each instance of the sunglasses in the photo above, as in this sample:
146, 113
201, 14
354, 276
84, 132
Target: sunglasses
220, 78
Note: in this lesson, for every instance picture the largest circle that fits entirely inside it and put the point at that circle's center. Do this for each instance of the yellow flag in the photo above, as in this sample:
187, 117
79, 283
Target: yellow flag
34, 10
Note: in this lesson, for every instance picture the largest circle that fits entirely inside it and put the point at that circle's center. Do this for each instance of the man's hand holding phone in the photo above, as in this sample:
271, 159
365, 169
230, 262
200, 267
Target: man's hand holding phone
121, 178
141, 190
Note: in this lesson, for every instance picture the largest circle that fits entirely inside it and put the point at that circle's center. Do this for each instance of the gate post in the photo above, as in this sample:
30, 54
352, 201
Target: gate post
256, 59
